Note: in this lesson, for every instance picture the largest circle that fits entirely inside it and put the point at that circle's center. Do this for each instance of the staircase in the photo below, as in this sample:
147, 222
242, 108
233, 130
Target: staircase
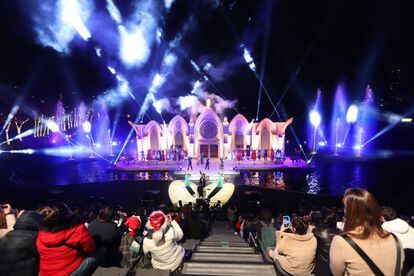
223, 253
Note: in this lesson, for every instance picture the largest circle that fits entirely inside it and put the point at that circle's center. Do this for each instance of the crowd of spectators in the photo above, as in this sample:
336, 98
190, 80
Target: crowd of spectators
330, 241
63, 239
360, 238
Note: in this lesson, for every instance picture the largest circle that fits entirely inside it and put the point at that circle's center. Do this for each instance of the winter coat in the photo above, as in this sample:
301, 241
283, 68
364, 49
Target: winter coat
109, 235
167, 255
18, 253
324, 237
62, 252
297, 253
402, 230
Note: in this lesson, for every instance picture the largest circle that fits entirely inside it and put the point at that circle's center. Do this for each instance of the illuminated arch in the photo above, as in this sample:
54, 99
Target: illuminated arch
233, 131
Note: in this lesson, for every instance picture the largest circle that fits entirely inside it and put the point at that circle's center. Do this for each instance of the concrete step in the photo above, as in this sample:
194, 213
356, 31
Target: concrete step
221, 232
210, 268
224, 238
220, 249
226, 257
225, 243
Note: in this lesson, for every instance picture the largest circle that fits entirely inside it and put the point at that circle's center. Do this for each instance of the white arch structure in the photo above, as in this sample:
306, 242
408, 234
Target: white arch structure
209, 133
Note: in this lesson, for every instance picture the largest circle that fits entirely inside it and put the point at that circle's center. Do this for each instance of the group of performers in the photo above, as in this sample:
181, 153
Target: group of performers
202, 184
177, 154
253, 154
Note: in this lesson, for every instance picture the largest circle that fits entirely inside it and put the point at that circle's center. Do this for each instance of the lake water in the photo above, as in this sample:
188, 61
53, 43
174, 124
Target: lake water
386, 178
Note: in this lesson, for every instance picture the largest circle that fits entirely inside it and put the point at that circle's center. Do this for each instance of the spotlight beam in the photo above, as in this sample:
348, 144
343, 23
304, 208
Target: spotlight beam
262, 67
19, 136
387, 128
126, 140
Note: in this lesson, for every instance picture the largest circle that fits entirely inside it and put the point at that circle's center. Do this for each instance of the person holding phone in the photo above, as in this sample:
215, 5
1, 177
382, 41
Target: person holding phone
295, 252
162, 241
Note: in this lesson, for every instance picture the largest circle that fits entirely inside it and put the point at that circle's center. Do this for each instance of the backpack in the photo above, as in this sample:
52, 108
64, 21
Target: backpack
267, 236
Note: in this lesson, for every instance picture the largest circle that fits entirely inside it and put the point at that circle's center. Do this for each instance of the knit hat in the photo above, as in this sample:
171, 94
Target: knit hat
133, 223
157, 221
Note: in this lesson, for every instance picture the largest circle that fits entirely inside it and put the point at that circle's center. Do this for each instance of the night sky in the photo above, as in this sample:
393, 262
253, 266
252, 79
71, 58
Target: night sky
314, 43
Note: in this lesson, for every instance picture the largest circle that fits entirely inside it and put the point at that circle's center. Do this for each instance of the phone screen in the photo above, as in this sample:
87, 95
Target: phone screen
286, 221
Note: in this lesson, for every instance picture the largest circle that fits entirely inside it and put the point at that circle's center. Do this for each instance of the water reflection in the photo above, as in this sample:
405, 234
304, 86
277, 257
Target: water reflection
143, 176
313, 183
330, 177
268, 179
356, 177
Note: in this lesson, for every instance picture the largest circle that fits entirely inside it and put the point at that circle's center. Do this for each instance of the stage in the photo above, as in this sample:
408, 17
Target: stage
231, 168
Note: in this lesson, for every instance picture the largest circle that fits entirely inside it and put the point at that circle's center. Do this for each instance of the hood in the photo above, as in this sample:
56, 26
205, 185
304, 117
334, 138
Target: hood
297, 237
396, 226
29, 221
53, 239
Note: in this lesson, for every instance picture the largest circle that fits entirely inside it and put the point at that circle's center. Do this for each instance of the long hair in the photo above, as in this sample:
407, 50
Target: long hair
362, 210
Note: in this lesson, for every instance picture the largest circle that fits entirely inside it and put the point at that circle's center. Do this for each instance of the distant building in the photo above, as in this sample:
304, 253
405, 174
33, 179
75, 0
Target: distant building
211, 135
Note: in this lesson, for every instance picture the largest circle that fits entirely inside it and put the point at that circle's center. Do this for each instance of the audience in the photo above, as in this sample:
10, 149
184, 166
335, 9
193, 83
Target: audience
7, 220
362, 226
397, 226
18, 251
295, 252
65, 246
315, 220
266, 232
107, 234
131, 243
404, 232
161, 242
324, 234
63, 241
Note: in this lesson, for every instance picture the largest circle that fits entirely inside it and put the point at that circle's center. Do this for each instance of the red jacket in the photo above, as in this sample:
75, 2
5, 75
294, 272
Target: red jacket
62, 252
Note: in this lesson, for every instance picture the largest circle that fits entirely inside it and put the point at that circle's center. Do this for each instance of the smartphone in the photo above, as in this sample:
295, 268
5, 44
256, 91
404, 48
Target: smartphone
286, 221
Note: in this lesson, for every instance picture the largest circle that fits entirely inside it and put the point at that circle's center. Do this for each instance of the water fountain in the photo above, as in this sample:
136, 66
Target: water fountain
366, 123
315, 133
338, 119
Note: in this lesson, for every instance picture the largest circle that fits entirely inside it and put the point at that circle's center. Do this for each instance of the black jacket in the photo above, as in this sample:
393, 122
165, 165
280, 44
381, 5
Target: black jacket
107, 234
324, 237
18, 253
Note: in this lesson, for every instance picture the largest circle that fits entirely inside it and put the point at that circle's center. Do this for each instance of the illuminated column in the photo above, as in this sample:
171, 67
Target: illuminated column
225, 141
164, 140
192, 149
255, 138
139, 147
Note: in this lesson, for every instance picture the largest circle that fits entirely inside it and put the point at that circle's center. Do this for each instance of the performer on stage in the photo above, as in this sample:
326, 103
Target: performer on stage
201, 185
149, 155
239, 156
221, 166
272, 154
187, 184
190, 164
207, 167
220, 183
265, 155
254, 156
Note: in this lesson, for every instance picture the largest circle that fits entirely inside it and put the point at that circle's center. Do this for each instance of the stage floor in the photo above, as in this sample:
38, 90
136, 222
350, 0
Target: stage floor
180, 168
